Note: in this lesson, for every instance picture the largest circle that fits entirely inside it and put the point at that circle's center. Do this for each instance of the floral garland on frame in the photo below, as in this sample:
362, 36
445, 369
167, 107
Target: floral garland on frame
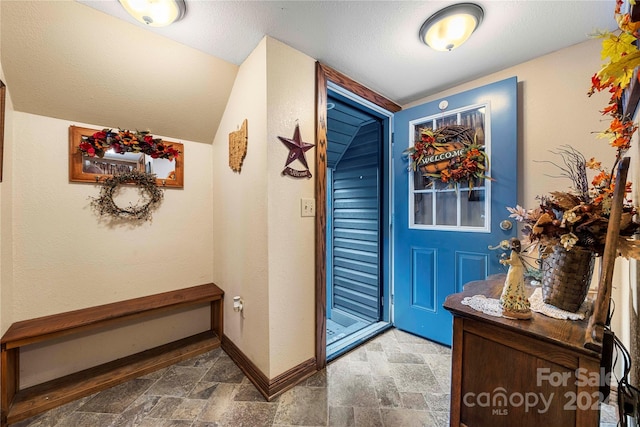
449, 154
125, 141
106, 206
620, 50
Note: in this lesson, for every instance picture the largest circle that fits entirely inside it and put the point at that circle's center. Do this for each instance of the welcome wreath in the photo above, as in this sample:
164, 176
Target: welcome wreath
450, 154
105, 205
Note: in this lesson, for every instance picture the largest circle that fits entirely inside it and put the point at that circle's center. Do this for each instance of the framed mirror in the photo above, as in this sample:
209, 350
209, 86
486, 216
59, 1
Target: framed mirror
85, 168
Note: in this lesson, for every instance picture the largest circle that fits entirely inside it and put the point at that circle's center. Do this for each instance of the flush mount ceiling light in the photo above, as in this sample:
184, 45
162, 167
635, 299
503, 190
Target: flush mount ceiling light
450, 27
155, 13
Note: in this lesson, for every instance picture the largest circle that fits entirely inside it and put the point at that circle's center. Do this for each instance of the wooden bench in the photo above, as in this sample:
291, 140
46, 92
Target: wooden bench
19, 404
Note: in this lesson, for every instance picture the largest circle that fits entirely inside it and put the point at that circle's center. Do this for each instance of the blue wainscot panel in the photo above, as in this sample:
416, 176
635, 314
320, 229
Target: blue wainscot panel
470, 266
423, 277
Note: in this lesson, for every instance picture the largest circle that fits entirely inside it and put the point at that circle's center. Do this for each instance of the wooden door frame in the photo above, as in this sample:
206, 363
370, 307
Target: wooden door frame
326, 74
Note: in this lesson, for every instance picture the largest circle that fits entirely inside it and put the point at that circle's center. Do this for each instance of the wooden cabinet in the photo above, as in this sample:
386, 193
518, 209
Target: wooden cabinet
520, 372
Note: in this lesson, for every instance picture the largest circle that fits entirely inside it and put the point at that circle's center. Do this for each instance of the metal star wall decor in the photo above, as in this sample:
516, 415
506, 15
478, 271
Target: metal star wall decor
297, 148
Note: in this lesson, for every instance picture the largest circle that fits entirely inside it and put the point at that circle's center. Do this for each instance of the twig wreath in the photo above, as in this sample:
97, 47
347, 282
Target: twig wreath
105, 205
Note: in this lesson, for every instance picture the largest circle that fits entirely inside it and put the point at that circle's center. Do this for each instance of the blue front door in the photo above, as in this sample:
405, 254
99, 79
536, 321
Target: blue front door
442, 233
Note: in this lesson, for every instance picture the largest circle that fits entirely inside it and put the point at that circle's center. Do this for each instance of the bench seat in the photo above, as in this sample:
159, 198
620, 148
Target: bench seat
17, 404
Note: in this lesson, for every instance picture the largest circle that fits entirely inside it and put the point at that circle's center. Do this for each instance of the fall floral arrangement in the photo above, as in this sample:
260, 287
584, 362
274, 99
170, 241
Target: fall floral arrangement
125, 141
449, 154
578, 217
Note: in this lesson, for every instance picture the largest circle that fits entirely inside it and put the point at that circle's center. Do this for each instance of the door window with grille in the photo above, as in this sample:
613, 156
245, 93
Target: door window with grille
438, 202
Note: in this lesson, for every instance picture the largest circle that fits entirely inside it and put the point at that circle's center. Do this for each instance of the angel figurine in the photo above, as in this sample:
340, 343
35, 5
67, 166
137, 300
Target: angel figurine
514, 301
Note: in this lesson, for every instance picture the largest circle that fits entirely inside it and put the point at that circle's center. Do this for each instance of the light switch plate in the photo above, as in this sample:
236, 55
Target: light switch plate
307, 207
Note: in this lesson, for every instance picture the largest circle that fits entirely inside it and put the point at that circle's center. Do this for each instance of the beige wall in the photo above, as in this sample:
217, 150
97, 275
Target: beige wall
6, 217
555, 110
626, 288
240, 259
65, 257
263, 249
290, 100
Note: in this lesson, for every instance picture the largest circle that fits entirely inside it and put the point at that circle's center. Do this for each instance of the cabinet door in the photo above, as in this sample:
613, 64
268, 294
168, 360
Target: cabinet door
507, 379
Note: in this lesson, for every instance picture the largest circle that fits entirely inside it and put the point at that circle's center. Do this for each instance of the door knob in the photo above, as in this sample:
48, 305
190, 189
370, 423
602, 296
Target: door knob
506, 225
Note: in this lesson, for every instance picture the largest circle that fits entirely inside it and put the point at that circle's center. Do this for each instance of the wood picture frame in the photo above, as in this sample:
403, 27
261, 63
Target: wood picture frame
81, 171
631, 95
3, 92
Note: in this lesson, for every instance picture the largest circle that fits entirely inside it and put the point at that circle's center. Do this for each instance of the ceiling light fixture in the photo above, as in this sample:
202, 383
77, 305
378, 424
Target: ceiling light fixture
155, 13
450, 27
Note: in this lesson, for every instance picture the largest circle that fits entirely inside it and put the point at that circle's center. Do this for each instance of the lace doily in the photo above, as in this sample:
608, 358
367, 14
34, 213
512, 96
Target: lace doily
538, 305
491, 306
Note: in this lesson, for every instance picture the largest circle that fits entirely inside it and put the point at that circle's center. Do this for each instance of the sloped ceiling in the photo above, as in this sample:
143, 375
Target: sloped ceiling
343, 124
65, 60
90, 62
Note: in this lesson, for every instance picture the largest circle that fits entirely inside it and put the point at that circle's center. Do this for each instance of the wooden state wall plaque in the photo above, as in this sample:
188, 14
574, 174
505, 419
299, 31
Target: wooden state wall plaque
238, 147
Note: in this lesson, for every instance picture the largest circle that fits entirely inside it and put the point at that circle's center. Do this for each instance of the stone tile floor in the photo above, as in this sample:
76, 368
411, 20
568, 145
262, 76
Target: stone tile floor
394, 380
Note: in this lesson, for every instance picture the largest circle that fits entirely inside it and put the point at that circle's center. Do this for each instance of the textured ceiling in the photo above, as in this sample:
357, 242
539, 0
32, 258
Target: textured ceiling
376, 42
90, 62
